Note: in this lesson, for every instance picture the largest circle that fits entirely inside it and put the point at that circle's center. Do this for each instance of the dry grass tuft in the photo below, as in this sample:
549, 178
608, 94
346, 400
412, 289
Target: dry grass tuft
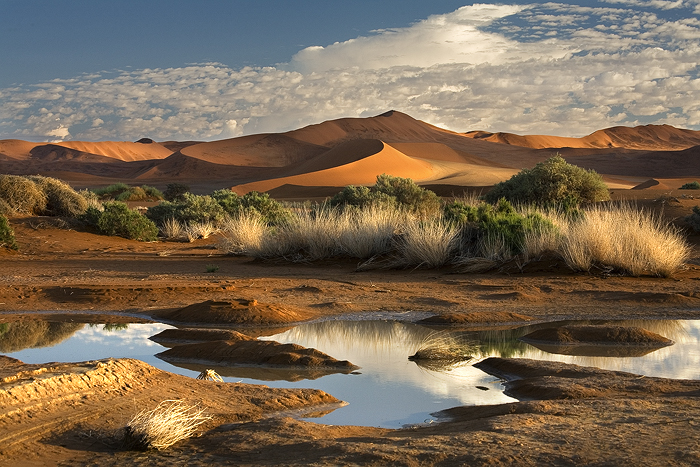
625, 239
427, 244
199, 230
171, 421
172, 229
210, 375
441, 350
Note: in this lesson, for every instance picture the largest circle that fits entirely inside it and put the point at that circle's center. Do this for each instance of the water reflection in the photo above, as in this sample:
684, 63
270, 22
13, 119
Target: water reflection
34, 334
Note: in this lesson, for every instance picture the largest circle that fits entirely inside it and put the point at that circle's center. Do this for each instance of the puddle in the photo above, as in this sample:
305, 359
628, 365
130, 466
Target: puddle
389, 391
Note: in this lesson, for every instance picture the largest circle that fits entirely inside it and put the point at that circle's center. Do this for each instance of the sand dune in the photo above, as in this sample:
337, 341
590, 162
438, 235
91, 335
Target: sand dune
346, 151
647, 137
360, 172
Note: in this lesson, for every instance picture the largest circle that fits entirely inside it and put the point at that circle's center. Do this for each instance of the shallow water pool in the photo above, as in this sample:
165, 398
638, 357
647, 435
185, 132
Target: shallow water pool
389, 390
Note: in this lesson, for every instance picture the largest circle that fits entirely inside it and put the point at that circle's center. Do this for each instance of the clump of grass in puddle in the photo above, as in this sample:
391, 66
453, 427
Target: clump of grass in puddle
211, 268
441, 350
171, 421
210, 375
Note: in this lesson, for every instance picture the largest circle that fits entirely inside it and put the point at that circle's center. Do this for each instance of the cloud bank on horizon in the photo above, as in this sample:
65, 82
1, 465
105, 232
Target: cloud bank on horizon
550, 68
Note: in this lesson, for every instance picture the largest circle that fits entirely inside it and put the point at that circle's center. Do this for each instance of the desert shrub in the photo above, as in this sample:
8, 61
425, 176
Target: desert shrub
553, 182
694, 219
270, 210
91, 198
190, 209
691, 186
117, 219
174, 191
496, 230
22, 195
625, 240
61, 198
390, 191
7, 235
123, 192
5, 208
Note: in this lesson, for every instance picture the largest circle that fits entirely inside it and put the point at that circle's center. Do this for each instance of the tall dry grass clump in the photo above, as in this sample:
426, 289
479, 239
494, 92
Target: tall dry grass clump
427, 244
171, 421
246, 234
61, 198
22, 195
369, 232
625, 239
315, 233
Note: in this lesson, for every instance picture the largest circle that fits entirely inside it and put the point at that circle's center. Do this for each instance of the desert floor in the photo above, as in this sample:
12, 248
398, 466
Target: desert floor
72, 414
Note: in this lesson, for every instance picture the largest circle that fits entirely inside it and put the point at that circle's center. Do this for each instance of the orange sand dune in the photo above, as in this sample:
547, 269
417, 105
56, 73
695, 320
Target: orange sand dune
16, 148
646, 137
121, 150
360, 172
264, 150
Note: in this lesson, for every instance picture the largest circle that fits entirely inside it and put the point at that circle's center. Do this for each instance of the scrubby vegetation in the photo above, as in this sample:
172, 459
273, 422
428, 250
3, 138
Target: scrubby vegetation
124, 192
174, 191
37, 195
7, 235
690, 186
390, 191
553, 182
117, 219
694, 219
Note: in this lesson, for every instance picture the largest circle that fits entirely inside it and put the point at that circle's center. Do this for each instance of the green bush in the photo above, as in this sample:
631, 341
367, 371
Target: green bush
22, 195
117, 219
553, 182
174, 191
691, 186
7, 235
388, 191
190, 209
500, 221
124, 192
694, 219
61, 198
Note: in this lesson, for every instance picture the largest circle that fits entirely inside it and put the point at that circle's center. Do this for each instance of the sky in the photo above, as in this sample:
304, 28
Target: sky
97, 70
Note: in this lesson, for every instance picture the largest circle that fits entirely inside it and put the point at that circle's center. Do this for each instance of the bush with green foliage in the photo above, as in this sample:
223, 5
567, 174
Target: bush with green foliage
500, 221
553, 182
388, 191
190, 209
124, 192
691, 186
174, 191
7, 235
694, 219
117, 219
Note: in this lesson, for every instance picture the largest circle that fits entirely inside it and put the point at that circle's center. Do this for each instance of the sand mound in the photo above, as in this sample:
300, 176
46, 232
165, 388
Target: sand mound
599, 335
477, 317
254, 352
198, 335
651, 183
247, 312
121, 150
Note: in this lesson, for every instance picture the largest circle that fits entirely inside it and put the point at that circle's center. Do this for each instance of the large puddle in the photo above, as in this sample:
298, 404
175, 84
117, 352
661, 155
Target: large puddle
389, 390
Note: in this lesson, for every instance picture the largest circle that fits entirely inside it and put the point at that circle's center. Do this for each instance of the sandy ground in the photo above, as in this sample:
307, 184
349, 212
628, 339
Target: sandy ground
71, 414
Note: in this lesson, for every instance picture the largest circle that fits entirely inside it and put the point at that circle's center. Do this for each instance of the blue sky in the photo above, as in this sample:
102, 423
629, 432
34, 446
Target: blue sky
122, 70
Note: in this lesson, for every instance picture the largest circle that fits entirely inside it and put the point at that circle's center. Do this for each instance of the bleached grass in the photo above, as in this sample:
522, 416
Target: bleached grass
172, 229
197, 230
618, 238
171, 421
427, 244
441, 350
626, 239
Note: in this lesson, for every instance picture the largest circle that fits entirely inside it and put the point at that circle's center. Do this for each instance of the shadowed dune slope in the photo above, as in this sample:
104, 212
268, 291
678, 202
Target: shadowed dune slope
265, 150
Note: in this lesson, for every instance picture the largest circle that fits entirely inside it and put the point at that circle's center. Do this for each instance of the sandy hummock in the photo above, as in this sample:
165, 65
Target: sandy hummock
249, 352
601, 335
478, 317
240, 311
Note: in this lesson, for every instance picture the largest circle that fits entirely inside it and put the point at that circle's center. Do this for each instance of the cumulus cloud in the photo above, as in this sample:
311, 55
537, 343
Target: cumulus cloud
544, 68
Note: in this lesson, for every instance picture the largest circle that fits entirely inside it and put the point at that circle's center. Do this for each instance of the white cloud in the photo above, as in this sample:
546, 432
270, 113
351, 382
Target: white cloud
552, 68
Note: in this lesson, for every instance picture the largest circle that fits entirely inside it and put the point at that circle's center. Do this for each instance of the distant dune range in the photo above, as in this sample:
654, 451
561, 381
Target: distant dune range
318, 159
